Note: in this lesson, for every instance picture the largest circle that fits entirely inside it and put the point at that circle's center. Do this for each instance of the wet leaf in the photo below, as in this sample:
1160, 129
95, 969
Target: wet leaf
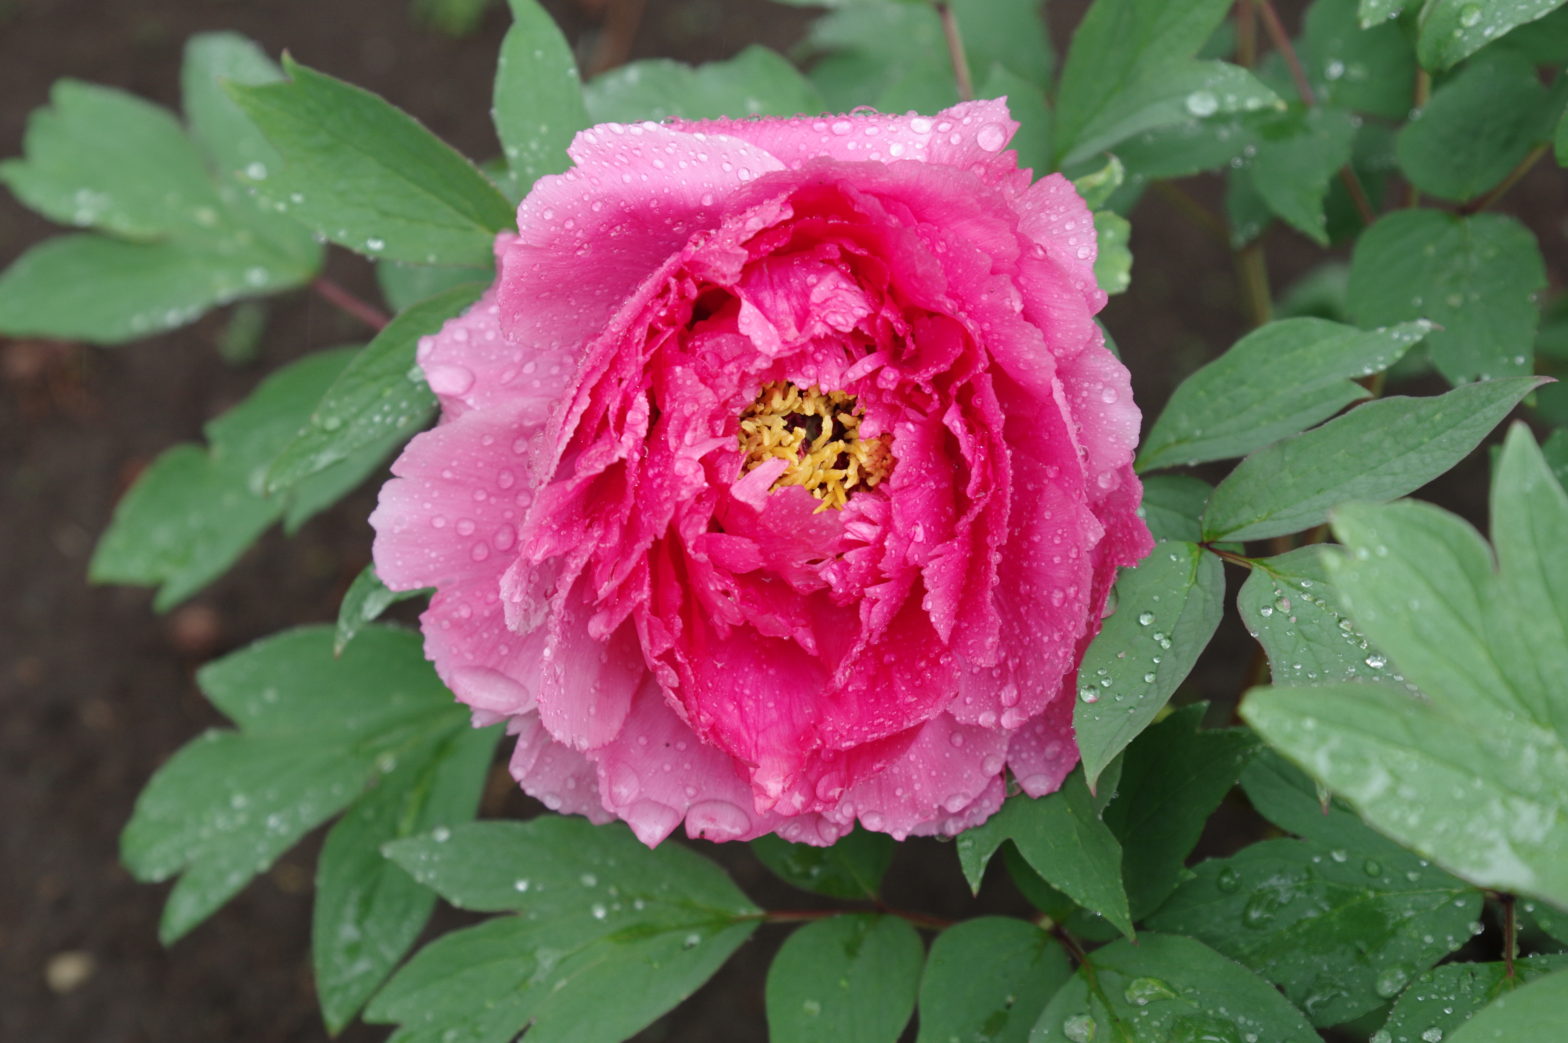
1537, 1011
313, 730
597, 915
846, 977
1376, 451
1272, 383
1339, 930
988, 979
756, 82
1165, 987
1364, 69
1173, 504
1446, 997
366, 599
1452, 30
1297, 155
538, 101
851, 868
1475, 277
1166, 610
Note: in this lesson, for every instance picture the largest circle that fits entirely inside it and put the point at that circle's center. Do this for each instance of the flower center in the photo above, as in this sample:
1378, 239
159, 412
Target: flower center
818, 432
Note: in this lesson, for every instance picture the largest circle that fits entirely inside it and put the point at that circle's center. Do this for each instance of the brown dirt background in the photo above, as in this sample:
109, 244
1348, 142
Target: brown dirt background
96, 691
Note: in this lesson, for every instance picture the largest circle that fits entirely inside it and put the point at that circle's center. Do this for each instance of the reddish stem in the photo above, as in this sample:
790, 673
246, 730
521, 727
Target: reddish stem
340, 298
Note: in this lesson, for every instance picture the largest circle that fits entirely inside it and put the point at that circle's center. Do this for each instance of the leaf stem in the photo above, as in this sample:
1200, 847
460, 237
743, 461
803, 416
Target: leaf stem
1252, 268
1514, 177
933, 923
1230, 556
345, 301
955, 50
1418, 99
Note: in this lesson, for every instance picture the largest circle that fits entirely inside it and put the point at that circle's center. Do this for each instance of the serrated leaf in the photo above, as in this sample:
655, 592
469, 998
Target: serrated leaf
367, 911
1377, 451
1173, 777
1473, 276
846, 977
756, 82
1446, 997
538, 103
367, 597
1297, 155
1452, 30
1274, 382
1166, 611
1165, 987
108, 291
194, 511
598, 915
1340, 940
1289, 605
988, 979
311, 731
105, 159
380, 394
1536, 1011
367, 176
1479, 124
1063, 839
851, 868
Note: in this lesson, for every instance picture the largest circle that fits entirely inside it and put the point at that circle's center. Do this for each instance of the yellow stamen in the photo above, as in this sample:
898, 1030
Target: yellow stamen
818, 433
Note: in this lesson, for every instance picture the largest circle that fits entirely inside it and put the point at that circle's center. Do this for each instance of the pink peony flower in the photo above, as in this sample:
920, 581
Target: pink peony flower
781, 478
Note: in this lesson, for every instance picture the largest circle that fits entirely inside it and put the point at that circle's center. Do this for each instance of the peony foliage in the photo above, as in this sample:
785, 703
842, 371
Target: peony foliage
757, 455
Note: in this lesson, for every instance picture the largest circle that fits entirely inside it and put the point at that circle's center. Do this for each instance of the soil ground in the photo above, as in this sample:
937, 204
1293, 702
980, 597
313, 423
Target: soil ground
98, 690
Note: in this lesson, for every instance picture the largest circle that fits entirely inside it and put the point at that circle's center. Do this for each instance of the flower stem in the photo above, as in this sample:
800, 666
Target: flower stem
345, 301
955, 51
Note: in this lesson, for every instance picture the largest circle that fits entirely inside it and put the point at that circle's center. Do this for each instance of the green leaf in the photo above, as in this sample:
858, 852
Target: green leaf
381, 394
1290, 606
1166, 611
1173, 777
1167, 988
1363, 69
1474, 276
1536, 1011
405, 285
1446, 997
368, 911
847, 977
367, 176
1131, 69
538, 103
1113, 262
1340, 940
1173, 504
852, 868
1377, 451
194, 511
1287, 797
313, 731
1452, 30
1560, 140
1480, 123
1552, 921
366, 599
989, 979
1372, 12
598, 916
88, 287
1475, 776
1274, 382
105, 159
1063, 839
231, 141
1297, 156
756, 82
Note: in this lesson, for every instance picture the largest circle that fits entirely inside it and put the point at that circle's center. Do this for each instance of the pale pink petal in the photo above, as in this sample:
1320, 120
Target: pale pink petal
557, 776
1043, 752
946, 769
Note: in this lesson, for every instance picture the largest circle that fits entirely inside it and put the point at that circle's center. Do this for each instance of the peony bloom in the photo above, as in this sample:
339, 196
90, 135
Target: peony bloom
781, 478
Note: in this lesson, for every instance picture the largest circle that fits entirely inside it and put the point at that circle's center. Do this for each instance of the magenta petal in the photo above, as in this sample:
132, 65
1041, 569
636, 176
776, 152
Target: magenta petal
947, 768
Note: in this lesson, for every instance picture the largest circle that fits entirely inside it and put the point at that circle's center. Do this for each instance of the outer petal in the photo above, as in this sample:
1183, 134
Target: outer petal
947, 768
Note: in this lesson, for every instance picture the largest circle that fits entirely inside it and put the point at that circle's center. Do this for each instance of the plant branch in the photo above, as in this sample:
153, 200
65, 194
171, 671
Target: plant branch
1514, 177
1252, 268
1227, 555
345, 301
955, 51
1510, 933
